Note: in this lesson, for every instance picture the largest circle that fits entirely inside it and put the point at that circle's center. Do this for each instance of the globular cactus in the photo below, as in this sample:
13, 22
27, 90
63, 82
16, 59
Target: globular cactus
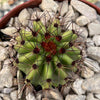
46, 54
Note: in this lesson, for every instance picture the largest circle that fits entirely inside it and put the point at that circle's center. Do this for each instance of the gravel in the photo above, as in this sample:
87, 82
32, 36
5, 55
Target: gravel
84, 9
77, 86
94, 28
94, 53
87, 72
92, 84
82, 21
75, 97
85, 21
24, 17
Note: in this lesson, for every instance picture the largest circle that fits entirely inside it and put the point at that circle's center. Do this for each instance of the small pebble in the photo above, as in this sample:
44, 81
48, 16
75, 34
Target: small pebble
92, 64
96, 40
49, 5
6, 77
94, 28
87, 73
14, 95
3, 53
92, 84
75, 97
82, 21
91, 97
77, 86
24, 17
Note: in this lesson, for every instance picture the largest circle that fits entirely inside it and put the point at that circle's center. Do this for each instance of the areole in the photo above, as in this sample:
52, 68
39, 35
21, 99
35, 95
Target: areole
32, 3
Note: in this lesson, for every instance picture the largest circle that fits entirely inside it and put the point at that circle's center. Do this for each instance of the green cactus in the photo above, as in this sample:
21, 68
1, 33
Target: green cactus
46, 54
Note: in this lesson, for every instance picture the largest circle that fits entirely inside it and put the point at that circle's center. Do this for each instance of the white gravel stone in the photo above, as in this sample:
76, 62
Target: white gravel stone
46, 16
92, 84
38, 96
96, 21
1, 98
3, 53
82, 21
94, 52
89, 42
76, 16
94, 28
6, 78
75, 97
87, 73
9, 31
14, 95
10, 50
36, 9
90, 97
93, 65
63, 7
49, 5
77, 86
66, 89
8, 90
52, 93
83, 32
4, 43
7, 63
73, 26
17, 22
5, 96
24, 17
84, 9
30, 10
70, 15
36, 15
30, 96
97, 96
10, 23
96, 40
55, 94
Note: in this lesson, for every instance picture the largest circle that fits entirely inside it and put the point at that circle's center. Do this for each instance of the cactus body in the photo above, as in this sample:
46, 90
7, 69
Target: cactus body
45, 54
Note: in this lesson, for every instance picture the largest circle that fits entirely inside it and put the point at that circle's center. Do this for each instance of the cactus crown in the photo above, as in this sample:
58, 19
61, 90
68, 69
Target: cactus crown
46, 54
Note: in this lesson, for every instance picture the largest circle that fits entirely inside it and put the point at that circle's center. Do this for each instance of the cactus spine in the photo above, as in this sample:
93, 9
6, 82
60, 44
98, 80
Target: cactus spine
46, 54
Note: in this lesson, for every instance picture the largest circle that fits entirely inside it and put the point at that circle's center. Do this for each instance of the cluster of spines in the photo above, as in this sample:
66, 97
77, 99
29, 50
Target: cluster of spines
46, 53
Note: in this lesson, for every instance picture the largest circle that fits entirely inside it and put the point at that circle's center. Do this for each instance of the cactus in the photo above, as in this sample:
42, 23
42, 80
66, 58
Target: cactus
46, 54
